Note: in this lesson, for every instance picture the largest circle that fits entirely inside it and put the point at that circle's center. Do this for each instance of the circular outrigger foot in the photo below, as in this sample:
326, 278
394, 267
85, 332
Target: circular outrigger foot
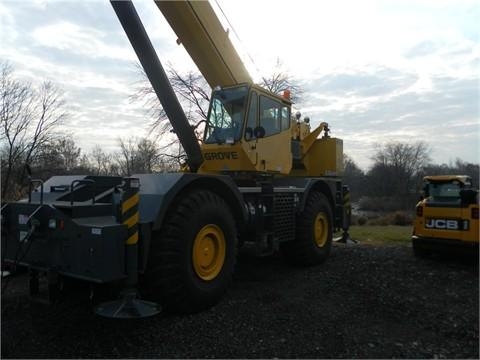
345, 239
128, 307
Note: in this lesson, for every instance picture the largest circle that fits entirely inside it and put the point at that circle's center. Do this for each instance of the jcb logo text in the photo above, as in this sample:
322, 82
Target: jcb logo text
442, 224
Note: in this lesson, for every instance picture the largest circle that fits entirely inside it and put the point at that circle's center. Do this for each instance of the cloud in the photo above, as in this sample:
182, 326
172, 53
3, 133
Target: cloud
374, 82
378, 72
70, 37
385, 105
421, 49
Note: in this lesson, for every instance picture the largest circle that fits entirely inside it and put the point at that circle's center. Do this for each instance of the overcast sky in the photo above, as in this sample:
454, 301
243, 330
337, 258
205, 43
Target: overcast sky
376, 71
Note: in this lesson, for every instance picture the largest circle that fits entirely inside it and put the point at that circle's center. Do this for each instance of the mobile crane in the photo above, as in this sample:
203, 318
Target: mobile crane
259, 177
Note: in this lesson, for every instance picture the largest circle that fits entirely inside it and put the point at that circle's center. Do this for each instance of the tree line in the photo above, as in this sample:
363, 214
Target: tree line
31, 118
395, 179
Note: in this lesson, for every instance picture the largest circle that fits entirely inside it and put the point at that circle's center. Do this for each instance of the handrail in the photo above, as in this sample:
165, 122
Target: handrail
33, 181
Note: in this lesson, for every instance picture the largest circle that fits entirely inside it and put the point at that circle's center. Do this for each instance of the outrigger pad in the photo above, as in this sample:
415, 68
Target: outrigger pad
345, 239
128, 307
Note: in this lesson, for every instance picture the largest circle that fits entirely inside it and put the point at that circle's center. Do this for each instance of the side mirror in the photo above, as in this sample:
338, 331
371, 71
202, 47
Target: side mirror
259, 132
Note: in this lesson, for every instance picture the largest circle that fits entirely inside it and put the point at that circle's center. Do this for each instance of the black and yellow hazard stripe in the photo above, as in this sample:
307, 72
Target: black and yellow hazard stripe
346, 199
130, 215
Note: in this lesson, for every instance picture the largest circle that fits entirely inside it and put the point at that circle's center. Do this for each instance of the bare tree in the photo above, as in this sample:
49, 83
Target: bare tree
396, 166
100, 161
194, 95
192, 91
15, 113
60, 155
139, 156
126, 156
147, 157
353, 176
280, 80
29, 118
69, 153
457, 167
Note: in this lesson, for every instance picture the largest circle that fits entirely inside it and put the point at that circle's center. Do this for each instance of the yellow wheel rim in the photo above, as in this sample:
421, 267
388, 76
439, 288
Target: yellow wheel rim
209, 252
321, 230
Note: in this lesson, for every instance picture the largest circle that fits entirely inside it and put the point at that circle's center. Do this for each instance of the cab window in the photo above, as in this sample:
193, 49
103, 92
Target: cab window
226, 115
444, 192
274, 116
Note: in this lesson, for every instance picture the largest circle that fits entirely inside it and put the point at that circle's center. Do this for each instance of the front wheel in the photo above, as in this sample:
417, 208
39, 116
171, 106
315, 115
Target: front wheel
193, 256
314, 233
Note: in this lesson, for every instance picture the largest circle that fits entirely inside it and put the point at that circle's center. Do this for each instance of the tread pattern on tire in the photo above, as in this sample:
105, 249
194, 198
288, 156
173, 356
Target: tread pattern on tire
170, 278
303, 250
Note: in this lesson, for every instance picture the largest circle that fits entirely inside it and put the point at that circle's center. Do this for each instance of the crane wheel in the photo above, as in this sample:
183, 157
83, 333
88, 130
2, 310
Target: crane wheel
192, 257
314, 233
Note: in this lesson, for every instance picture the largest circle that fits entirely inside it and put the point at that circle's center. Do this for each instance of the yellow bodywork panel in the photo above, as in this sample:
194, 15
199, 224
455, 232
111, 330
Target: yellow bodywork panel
473, 233
311, 138
323, 158
203, 36
443, 223
224, 157
269, 154
272, 153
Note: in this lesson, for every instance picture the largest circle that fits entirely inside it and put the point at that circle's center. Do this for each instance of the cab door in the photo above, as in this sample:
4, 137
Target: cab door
267, 134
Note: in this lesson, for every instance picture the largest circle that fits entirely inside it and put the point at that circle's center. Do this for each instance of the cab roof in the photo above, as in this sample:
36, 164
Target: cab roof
465, 179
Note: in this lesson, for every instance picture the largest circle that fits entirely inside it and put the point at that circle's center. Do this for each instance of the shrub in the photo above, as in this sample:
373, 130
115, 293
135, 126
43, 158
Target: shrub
402, 218
362, 220
387, 203
381, 220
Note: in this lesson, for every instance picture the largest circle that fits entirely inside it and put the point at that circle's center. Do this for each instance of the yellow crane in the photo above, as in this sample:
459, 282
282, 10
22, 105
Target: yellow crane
260, 178
248, 128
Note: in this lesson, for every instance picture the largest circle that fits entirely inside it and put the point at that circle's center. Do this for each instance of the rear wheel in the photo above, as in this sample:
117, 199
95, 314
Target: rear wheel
314, 233
193, 256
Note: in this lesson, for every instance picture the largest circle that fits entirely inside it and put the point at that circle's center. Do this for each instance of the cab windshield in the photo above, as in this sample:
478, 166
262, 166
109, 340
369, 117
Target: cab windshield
225, 118
444, 191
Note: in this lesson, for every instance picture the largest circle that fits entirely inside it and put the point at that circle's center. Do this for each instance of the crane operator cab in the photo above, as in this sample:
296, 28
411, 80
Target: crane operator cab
248, 129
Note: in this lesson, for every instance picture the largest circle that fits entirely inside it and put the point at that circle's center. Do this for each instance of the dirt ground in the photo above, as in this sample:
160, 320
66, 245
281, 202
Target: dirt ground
364, 302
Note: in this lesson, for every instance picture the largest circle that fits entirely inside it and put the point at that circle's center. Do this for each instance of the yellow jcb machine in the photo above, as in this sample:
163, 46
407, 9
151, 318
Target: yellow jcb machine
259, 177
447, 216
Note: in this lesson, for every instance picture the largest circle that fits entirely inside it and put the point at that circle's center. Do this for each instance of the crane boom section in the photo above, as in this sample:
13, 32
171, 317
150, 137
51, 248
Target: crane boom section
203, 36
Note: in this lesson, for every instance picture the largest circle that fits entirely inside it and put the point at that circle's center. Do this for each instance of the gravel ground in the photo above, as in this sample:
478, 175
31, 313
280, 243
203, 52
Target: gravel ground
364, 302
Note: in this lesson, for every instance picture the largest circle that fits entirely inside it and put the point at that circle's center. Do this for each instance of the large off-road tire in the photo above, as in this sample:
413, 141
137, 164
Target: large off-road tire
192, 257
314, 233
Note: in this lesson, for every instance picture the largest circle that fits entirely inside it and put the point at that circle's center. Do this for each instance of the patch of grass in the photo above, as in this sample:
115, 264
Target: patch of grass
381, 235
